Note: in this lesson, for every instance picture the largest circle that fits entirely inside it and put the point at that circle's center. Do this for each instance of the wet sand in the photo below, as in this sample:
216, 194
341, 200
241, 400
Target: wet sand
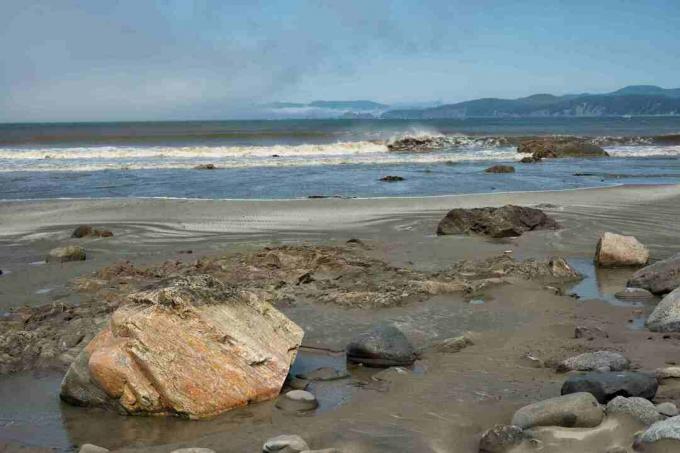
443, 404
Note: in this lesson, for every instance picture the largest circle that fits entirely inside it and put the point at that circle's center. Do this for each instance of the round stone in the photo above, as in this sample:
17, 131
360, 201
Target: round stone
285, 443
297, 400
383, 346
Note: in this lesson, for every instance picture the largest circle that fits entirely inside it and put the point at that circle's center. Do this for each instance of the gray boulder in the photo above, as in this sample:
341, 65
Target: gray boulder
667, 409
640, 409
285, 443
500, 438
506, 221
668, 429
595, 361
383, 346
666, 315
64, 254
660, 278
607, 386
576, 410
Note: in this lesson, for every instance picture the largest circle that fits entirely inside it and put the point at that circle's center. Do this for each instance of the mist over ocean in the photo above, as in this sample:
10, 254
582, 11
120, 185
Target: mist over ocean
301, 158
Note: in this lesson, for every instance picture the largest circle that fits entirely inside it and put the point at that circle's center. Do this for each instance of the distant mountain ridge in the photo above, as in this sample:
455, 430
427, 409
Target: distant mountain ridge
631, 100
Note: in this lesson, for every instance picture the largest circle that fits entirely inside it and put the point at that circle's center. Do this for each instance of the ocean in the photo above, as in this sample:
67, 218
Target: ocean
303, 158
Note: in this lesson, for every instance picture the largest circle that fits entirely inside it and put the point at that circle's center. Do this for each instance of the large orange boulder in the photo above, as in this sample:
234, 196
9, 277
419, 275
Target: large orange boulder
190, 346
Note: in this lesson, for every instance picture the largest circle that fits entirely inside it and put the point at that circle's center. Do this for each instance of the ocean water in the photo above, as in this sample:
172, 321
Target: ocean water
301, 158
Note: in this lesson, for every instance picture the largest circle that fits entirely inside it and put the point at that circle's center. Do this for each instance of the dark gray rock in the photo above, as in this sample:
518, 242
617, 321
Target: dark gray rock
76, 387
383, 346
506, 221
391, 178
500, 438
607, 386
666, 315
576, 410
500, 169
660, 278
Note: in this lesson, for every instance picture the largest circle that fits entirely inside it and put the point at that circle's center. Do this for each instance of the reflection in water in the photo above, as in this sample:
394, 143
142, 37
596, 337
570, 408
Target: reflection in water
32, 414
603, 284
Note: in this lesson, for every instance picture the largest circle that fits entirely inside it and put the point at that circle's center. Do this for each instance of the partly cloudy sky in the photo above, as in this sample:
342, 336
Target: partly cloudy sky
65, 60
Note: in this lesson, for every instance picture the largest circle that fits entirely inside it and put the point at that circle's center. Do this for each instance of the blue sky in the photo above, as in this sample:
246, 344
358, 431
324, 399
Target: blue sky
65, 60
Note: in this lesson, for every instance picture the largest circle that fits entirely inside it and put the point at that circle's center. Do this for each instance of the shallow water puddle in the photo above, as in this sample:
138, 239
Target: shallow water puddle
603, 284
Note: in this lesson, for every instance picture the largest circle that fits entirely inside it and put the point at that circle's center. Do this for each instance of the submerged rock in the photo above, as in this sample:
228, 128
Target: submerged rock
595, 361
89, 231
382, 346
285, 443
640, 409
554, 147
205, 167
660, 278
65, 254
188, 346
577, 410
615, 250
666, 315
500, 439
634, 294
391, 179
297, 401
506, 221
607, 386
500, 169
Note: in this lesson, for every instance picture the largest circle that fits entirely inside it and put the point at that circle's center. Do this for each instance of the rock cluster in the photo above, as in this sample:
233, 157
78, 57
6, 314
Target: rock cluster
506, 221
554, 147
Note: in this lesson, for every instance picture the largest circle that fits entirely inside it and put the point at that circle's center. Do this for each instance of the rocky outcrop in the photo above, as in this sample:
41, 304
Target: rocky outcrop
660, 278
577, 410
609, 385
595, 361
382, 346
500, 169
555, 147
188, 346
84, 231
506, 221
615, 250
66, 254
666, 315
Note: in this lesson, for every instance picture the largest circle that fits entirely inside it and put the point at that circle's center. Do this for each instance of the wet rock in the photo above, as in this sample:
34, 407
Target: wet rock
506, 221
615, 250
453, 345
65, 254
577, 410
391, 178
639, 408
205, 167
188, 346
296, 383
324, 374
595, 361
634, 294
88, 231
590, 333
607, 386
90, 448
660, 278
668, 429
667, 409
555, 147
285, 443
529, 160
382, 346
500, 169
297, 401
500, 439
666, 315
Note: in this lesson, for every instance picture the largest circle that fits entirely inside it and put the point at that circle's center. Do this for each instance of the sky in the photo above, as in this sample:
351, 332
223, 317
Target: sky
99, 60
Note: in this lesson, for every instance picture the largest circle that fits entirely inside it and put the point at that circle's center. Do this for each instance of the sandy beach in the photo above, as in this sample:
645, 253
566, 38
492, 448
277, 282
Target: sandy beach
443, 404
